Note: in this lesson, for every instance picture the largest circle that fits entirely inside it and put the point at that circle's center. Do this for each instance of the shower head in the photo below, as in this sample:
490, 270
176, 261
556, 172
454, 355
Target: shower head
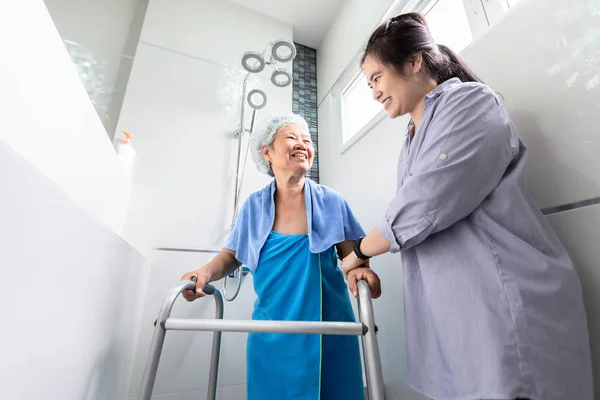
283, 50
257, 99
253, 62
281, 78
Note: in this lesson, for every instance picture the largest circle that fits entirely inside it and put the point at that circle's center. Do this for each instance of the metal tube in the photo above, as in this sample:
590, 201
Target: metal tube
370, 347
230, 297
158, 340
239, 153
216, 350
241, 180
184, 250
362, 341
306, 327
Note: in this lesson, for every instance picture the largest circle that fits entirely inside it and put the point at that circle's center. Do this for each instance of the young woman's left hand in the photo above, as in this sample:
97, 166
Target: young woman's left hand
350, 262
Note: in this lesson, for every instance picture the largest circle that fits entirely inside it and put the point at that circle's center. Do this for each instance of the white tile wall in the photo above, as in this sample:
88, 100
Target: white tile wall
218, 31
551, 85
102, 34
48, 118
71, 293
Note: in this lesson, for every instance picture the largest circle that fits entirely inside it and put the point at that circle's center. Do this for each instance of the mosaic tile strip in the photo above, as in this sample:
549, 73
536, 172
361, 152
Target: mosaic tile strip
304, 96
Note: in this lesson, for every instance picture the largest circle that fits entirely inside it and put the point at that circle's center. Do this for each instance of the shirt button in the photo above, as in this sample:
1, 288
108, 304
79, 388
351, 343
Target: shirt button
443, 156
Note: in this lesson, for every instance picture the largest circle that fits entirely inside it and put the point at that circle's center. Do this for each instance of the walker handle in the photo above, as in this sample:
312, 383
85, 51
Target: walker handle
208, 289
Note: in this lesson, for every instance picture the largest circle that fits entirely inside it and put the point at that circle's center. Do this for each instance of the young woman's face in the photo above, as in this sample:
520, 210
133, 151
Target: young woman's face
399, 94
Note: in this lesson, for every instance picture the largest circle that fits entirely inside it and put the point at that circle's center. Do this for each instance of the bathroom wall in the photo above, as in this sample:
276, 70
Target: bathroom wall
71, 290
181, 106
48, 118
71, 293
101, 38
551, 86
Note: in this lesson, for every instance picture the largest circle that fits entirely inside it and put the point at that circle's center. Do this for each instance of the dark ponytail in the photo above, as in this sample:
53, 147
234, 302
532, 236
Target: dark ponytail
404, 36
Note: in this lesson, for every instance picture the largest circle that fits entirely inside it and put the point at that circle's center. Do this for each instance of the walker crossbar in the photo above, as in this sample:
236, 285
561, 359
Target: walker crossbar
365, 328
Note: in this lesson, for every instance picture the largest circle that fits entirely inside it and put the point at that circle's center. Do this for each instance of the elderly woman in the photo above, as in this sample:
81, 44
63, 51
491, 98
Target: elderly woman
288, 235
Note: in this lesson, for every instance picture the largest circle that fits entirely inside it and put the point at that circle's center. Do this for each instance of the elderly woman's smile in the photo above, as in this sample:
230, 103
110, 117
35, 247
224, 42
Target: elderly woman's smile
300, 155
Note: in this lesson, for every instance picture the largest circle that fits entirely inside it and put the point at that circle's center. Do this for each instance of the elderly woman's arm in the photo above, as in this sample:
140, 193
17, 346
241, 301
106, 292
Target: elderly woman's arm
346, 247
218, 268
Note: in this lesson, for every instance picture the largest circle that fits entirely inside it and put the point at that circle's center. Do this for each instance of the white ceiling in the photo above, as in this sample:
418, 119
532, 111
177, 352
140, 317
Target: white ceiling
311, 19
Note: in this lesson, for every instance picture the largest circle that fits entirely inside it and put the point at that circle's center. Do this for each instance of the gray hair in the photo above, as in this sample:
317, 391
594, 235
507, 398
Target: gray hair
264, 135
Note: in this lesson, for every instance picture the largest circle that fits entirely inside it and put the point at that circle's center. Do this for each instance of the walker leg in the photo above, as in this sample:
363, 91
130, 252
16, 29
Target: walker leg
158, 339
152, 363
216, 351
362, 341
370, 347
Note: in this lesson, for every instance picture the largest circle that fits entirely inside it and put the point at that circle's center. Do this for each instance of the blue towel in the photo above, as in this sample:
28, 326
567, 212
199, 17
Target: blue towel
330, 221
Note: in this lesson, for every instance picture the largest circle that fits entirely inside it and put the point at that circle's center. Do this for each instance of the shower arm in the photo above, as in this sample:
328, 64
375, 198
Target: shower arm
240, 180
239, 133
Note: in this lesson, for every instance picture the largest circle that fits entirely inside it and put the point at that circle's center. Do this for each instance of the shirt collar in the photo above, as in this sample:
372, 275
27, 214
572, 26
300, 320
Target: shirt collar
434, 94
443, 87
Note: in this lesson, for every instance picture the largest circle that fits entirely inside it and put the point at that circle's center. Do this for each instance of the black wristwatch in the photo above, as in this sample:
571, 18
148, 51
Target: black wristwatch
357, 251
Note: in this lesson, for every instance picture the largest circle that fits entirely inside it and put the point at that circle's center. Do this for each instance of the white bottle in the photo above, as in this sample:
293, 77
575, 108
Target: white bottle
126, 154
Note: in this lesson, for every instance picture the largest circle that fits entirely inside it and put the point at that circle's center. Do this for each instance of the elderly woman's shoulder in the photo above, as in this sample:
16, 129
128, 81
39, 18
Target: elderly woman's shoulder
264, 192
322, 190
258, 198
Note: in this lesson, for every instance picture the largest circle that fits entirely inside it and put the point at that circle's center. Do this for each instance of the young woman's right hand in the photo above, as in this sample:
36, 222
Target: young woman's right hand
203, 279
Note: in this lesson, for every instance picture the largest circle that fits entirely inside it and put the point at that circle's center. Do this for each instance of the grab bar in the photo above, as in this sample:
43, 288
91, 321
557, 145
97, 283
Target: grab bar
184, 250
366, 328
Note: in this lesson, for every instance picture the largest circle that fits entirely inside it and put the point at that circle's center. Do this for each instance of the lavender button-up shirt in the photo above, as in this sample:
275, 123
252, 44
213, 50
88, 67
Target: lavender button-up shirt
493, 305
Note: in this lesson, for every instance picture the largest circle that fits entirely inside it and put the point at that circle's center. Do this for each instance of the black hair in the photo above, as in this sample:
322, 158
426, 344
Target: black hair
403, 37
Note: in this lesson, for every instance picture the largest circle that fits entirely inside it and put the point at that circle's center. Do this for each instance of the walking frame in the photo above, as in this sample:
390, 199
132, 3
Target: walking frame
365, 328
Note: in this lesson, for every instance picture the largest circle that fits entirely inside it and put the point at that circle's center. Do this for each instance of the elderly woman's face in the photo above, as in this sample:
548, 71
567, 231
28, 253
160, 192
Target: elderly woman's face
292, 150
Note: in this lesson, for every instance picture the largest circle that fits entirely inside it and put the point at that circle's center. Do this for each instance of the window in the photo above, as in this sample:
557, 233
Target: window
449, 24
358, 108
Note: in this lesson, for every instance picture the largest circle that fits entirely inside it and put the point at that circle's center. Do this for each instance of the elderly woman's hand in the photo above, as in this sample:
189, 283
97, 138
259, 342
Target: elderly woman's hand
350, 262
203, 279
364, 274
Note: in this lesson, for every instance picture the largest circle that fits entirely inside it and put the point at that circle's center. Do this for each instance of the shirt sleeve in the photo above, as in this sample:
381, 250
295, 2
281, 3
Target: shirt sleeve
469, 145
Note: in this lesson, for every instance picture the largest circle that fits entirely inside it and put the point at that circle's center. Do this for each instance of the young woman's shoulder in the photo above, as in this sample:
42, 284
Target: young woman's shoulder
469, 92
